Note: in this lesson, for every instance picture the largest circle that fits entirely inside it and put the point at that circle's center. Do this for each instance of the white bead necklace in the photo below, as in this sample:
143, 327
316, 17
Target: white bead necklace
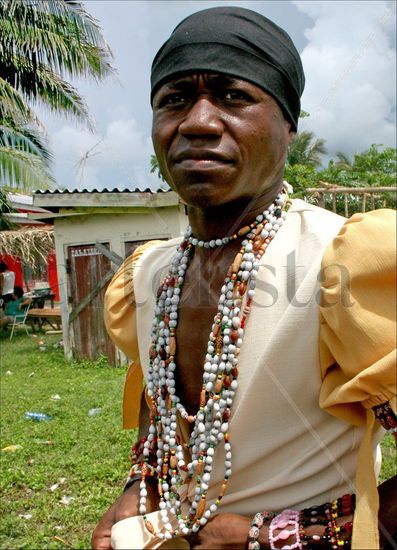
210, 424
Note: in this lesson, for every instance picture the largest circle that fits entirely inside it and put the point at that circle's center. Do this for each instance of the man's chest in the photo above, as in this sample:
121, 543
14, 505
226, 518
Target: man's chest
197, 309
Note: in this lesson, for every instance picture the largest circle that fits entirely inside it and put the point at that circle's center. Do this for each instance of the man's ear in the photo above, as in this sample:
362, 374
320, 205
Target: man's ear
291, 135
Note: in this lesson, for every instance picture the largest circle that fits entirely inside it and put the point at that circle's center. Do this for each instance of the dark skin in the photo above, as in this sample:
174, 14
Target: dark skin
221, 145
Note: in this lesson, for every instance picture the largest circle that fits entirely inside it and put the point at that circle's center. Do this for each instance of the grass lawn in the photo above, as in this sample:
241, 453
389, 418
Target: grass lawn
91, 453
73, 455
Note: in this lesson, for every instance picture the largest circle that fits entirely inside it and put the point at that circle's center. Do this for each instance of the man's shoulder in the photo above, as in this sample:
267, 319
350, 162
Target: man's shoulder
314, 224
154, 255
307, 209
160, 247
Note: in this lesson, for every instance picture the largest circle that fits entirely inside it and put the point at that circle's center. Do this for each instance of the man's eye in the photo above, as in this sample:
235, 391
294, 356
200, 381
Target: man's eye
173, 99
236, 95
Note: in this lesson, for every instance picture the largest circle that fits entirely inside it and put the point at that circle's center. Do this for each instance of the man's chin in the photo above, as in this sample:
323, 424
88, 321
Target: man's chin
203, 195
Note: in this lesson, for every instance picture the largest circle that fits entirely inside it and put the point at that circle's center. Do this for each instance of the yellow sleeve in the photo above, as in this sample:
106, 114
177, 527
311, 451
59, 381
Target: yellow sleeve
120, 322
357, 342
358, 310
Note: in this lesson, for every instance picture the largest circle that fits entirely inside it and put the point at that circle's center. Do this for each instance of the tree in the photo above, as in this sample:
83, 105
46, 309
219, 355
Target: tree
42, 43
155, 169
306, 150
377, 160
5, 208
376, 166
343, 161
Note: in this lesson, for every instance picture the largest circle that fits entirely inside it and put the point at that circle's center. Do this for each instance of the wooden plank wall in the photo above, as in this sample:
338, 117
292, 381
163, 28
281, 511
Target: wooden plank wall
89, 273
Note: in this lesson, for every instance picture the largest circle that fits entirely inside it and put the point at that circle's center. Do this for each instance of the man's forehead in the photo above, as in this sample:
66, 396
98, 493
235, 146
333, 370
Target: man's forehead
210, 77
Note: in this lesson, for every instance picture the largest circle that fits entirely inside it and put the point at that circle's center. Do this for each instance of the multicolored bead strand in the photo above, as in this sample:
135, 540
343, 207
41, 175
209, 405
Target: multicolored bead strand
256, 525
386, 416
210, 425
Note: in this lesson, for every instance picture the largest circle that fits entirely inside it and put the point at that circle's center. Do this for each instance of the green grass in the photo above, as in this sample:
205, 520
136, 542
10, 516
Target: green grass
90, 452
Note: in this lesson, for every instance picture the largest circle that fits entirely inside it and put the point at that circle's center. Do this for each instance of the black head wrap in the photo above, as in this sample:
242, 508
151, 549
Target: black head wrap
237, 42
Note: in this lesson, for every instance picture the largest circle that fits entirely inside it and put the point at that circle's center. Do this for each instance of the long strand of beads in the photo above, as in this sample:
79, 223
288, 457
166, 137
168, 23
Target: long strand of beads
210, 426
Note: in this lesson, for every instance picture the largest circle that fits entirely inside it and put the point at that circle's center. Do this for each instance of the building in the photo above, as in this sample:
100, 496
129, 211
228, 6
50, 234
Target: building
94, 231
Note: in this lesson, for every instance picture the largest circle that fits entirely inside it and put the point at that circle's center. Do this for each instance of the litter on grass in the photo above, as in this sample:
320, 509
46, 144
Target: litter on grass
37, 417
9, 373
55, 486
31, 374
66, 500
55, 397
63, 541
25, 516
94, 412
11, 448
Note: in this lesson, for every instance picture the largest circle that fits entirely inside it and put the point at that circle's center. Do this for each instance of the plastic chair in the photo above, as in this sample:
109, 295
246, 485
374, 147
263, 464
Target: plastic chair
20, 322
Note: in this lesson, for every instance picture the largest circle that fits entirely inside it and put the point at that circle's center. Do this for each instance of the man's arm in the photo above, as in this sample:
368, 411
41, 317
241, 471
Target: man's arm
127, 505
24, 303
230, 531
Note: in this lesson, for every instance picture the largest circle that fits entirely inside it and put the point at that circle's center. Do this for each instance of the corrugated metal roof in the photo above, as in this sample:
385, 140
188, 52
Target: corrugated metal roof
105, 190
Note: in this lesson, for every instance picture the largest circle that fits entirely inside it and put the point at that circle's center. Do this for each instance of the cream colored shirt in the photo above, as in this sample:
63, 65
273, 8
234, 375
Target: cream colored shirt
319, 340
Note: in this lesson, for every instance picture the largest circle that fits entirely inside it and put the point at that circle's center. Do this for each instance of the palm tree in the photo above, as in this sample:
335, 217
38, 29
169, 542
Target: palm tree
5, 208
306, 150
42, 43
343, 162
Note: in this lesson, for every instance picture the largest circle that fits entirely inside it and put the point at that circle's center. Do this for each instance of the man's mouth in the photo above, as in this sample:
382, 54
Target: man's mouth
201, 159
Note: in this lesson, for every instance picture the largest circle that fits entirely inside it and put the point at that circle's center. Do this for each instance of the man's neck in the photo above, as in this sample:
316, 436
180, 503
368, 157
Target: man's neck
226, 219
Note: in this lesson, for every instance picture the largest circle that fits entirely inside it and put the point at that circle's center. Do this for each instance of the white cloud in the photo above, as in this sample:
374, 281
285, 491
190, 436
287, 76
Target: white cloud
118, 158
349, 60
349, 63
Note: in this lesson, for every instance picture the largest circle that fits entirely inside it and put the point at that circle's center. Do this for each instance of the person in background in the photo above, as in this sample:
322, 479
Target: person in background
7, 281
15, 307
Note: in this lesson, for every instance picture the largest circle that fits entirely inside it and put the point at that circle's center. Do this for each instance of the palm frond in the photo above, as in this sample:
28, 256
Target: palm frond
61, 12
5, 208
13, 107
42, 42
43, 85
25, 139
23, 170
306, 150
57, 43
343, 161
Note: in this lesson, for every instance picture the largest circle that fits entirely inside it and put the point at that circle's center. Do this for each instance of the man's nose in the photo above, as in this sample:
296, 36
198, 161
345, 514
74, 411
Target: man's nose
203, 119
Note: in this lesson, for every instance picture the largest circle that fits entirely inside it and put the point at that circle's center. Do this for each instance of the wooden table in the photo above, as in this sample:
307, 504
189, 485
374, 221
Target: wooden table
39, 316
39, 301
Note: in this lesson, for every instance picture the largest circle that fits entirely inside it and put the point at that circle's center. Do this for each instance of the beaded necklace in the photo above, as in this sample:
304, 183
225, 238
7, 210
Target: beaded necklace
210, 425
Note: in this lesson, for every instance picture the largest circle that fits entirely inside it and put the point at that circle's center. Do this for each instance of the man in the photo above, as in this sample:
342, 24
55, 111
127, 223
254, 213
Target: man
229, 348
7, 281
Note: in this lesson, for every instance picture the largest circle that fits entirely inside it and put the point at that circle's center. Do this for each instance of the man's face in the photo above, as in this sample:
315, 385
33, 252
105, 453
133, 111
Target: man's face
218, 139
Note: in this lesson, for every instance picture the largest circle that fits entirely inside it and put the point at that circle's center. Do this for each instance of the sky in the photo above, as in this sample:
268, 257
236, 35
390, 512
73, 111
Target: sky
348, 54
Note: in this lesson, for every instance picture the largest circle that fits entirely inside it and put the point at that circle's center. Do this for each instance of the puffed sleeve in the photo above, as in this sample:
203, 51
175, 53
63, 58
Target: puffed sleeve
357, 343
358, 310
120, 322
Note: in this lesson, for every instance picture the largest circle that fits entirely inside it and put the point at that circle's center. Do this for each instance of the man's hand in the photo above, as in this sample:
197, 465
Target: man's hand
223, 532
126, 506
